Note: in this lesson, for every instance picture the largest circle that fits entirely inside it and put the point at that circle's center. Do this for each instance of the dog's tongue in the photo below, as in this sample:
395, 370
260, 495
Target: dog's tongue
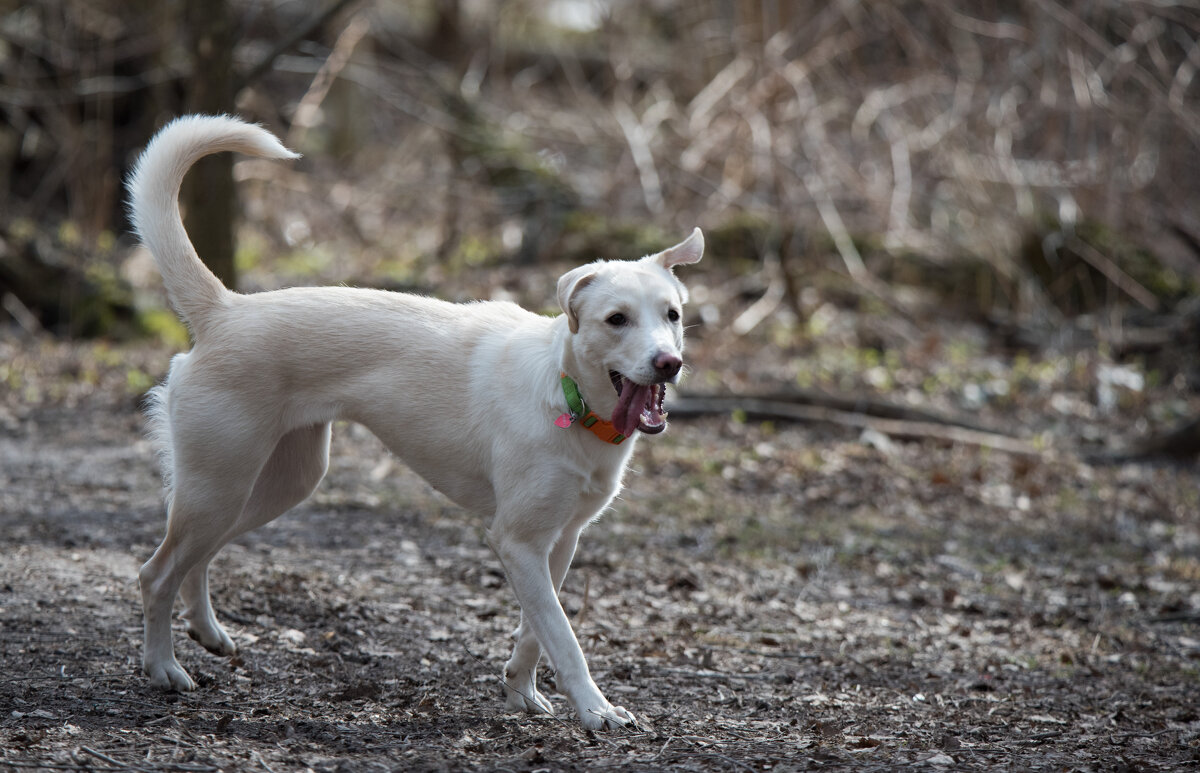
628, 413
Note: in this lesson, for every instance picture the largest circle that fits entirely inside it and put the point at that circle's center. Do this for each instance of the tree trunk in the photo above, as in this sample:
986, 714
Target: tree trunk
209, 196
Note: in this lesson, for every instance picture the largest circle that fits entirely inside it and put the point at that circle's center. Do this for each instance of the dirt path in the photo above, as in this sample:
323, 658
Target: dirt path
765, 597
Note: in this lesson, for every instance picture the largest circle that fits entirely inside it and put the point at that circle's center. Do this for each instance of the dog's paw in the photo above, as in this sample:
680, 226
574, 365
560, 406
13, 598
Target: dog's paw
214, 639
608, 717
523, 695
169, 676
533, 702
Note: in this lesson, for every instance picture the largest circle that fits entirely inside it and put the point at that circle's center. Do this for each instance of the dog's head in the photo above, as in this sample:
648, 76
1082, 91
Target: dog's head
626, 319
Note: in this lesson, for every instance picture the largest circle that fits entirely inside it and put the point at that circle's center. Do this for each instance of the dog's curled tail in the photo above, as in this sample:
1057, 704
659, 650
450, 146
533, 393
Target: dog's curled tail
154, 203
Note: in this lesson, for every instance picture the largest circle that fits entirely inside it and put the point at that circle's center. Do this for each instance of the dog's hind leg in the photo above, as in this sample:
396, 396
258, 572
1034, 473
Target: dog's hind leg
203, 509
217, 496
290, 475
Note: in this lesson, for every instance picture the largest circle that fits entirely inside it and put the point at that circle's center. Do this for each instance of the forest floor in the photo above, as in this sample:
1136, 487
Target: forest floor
764, 595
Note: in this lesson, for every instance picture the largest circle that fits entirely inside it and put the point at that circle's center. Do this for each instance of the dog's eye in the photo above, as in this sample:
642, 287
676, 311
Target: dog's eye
673, 315
616, 320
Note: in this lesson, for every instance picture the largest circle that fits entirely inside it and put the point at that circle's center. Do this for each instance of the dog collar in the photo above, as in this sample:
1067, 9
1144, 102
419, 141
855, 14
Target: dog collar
578, 411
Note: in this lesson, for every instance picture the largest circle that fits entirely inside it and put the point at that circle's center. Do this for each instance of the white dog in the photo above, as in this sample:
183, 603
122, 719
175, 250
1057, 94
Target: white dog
497, 407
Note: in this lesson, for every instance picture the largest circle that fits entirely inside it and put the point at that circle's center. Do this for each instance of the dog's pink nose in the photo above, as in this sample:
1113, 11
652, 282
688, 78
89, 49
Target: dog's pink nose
667, 365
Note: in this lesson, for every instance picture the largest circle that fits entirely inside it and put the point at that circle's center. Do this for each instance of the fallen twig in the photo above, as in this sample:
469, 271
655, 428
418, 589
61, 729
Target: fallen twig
708, 673
862, 404
103, 757
926, 429
153, 767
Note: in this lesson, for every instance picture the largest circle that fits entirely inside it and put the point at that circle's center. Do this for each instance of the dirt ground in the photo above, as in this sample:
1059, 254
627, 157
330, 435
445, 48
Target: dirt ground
765, 596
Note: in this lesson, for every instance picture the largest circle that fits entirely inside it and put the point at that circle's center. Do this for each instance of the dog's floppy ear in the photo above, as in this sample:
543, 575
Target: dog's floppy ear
688, 251
569, 284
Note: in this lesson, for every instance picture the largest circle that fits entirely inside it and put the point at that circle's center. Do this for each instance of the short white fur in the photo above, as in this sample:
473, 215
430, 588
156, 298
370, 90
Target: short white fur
465, 394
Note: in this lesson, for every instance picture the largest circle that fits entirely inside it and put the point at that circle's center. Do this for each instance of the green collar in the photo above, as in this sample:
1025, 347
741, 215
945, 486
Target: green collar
578, 411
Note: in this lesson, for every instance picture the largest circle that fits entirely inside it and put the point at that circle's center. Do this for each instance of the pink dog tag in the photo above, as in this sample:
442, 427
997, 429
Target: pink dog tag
564, 421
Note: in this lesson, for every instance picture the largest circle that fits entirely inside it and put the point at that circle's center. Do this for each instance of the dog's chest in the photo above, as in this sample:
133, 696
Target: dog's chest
602, 473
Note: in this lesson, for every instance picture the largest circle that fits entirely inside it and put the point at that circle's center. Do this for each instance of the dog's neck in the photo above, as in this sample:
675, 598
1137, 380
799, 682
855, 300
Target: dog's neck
593, 381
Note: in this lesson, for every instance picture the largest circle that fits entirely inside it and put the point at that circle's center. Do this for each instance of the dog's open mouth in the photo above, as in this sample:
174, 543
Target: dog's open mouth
639, 406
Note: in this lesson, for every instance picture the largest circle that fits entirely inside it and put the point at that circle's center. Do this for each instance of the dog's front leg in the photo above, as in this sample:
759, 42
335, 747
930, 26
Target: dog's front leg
525, 554
520, 673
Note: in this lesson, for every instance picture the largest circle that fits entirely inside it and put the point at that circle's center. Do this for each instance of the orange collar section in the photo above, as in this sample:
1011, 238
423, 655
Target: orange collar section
578, 411
605, 430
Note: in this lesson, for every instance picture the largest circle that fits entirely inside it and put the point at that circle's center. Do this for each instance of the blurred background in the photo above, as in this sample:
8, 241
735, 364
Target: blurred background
930, 491
890, 174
